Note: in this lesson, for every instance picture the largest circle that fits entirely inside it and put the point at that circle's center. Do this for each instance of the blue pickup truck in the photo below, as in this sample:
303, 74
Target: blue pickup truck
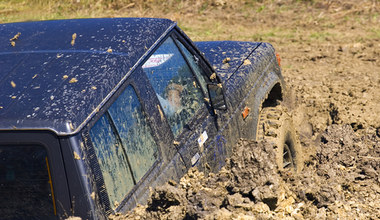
94, 112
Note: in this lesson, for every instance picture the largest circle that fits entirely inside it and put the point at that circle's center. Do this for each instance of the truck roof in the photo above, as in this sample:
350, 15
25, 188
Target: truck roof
55, 75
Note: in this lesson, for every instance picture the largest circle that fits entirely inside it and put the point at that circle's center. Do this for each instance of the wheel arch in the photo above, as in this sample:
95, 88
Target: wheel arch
268, 91
275, 94
271, 92
278, 96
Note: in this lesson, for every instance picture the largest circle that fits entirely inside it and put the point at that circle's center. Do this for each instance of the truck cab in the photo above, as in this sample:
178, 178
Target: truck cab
94, 112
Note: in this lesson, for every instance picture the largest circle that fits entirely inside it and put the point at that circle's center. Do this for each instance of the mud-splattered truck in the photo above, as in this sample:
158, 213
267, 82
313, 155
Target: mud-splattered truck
94, 112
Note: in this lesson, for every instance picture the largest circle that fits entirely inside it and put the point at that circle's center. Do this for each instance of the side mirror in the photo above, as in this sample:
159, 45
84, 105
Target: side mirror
216, 96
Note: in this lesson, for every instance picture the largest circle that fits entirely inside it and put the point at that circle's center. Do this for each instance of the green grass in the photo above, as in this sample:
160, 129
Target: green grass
251, 20
321, 36
263, 36
260, 9
375, 33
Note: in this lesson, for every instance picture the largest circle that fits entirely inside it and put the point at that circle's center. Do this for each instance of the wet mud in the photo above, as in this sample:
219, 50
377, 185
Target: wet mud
340, 180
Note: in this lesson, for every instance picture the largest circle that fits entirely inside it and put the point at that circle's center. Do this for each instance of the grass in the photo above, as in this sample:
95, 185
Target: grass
263, 20
375, 33
260, 9
321, 36
263, 36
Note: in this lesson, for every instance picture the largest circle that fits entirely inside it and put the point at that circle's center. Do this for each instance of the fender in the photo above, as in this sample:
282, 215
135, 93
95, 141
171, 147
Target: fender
254, 101
248, 62
217, 51
253, 82
247, 81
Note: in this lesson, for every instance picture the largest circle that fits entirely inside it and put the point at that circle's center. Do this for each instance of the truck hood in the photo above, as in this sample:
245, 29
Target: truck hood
218, 51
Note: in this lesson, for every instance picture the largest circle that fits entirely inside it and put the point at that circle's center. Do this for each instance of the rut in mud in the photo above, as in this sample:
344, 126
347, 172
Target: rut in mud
340, 180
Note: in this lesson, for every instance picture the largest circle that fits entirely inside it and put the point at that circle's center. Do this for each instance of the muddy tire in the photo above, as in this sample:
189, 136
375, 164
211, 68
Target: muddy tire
275, 126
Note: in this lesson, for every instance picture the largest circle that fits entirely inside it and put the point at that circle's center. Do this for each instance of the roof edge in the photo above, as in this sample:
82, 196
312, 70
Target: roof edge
113, 91
65, 127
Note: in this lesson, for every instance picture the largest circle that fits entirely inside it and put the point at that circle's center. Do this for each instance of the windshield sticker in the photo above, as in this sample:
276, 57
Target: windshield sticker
156, 60
202, 139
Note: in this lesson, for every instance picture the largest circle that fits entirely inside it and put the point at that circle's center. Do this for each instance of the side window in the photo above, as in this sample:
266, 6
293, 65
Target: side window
124, 145
195, 65
112, 161
25, 183
134, 132
176, 87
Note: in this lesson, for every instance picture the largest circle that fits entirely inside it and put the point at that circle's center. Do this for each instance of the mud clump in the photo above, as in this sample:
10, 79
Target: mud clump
249, 185
167, 202
341, 180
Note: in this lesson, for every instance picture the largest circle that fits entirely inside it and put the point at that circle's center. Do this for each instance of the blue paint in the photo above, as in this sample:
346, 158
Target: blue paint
217, 51
220, 143
219, 150
43, 62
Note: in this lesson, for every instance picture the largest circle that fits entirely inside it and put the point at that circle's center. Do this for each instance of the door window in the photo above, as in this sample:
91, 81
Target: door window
124, 145
175, 85
196, 66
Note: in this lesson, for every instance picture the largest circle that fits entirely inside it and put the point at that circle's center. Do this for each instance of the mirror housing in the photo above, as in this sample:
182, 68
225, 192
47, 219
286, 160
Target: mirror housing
217, 96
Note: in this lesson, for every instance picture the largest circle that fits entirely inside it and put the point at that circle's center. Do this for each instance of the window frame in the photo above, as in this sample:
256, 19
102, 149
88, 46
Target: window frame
205, 92
141, 85
99, 175
204, 64
50, 142
191, 47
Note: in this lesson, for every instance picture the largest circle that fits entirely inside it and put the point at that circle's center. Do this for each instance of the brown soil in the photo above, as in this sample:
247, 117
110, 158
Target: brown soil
330, 54
339, 181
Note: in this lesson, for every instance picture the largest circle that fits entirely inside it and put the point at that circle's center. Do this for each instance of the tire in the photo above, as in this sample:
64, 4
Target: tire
275, 125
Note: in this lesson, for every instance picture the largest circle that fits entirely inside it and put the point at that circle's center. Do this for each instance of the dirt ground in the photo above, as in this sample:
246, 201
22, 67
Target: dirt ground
330, 51
330, 54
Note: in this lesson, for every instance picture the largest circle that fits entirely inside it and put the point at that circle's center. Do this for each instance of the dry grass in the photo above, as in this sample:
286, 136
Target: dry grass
277, 21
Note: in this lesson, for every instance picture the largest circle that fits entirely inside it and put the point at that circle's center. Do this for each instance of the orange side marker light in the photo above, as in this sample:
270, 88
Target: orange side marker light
245, 112
278, 59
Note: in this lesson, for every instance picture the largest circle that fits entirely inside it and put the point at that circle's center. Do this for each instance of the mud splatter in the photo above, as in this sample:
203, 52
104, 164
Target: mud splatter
73, 38
76, 156
73, 80
14, 39
227, 60
213, 76
247, 62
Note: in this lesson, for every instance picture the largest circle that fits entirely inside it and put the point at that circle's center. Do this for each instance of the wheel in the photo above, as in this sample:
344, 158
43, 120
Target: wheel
275, 125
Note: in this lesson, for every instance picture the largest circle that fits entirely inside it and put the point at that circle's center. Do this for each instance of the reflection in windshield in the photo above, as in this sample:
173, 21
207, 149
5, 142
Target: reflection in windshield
156, 60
